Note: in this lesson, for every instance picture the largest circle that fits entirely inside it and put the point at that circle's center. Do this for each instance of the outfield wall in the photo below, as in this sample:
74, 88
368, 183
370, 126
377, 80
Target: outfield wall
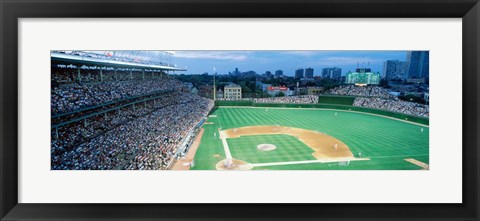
342, 100
407, 117
233, 103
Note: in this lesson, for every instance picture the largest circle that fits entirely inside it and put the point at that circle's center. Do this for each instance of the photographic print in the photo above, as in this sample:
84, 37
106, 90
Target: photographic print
239, 110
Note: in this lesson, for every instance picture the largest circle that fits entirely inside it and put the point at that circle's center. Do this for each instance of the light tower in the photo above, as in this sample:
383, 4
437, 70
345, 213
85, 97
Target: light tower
214, 88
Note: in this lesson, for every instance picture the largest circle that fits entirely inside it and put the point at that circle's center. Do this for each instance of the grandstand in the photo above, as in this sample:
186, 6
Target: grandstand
373, 97
119, 110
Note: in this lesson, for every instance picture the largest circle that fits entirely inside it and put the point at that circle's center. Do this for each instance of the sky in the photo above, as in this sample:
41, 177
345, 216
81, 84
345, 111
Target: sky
199, 62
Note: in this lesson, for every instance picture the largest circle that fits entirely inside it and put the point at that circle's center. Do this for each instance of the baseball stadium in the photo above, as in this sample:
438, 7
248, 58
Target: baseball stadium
322, 136
125, 110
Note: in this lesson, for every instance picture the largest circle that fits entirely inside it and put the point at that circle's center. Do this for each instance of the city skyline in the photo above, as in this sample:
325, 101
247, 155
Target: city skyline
199, 62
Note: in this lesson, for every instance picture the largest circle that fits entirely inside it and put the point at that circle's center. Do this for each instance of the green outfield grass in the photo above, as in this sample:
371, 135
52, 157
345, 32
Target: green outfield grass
387, 142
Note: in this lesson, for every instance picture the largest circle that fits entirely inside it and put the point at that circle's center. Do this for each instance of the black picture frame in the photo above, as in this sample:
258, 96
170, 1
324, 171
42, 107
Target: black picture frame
11, 11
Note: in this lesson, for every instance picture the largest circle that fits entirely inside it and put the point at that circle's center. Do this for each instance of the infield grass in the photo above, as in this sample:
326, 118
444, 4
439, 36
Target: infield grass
288, 149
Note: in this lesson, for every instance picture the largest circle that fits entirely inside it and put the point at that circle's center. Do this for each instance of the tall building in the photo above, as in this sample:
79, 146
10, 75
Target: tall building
333, 72
249, 74
309, 73
418, 64
394, 69
278, 73
268, 74
236, 72
232, 91
362, 76
299, 73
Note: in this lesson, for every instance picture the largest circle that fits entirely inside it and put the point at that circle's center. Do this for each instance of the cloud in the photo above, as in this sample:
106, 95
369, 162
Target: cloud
219, 55
303, 53
348, 60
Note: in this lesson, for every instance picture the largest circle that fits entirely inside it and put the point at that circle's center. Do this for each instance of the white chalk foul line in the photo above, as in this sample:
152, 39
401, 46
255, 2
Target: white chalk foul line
307, 161
225, 145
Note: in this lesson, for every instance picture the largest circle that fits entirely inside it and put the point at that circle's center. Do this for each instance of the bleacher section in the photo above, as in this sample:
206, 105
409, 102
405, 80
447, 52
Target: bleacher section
122, 119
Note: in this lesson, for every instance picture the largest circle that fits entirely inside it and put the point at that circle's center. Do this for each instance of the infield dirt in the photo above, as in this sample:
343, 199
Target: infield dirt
325, 146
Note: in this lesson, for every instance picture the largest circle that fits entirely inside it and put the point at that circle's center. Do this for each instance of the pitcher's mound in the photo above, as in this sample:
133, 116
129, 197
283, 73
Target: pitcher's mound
237, 165
266, 147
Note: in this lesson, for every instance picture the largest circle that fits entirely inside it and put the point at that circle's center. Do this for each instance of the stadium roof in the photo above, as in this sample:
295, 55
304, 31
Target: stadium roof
133, 59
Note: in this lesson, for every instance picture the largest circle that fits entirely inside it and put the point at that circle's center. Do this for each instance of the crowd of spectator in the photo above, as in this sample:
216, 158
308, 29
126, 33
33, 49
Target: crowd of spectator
302, 99
144, 137
64, 75
73, 97
361, 91
234, 99
80, 131
394, 105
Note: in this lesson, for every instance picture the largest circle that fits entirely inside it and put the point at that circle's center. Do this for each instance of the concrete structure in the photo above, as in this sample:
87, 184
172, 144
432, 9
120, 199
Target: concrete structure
309, 73
299, 73
268, 74
418, 64
301, 91
236, 72
315, 90
333, 72
394, 69
232, 91
278, 73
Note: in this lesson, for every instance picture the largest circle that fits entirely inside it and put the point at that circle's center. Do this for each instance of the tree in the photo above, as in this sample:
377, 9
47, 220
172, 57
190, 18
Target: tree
280, 94
265, 94
384, 83
311, 84
328, 83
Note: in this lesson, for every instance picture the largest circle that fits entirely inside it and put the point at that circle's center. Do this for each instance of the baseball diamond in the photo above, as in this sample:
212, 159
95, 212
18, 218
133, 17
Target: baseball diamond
311, 139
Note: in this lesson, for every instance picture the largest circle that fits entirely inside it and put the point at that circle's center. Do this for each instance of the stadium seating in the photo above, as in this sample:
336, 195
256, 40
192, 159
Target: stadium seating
380, 98
136, 130
302, 99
